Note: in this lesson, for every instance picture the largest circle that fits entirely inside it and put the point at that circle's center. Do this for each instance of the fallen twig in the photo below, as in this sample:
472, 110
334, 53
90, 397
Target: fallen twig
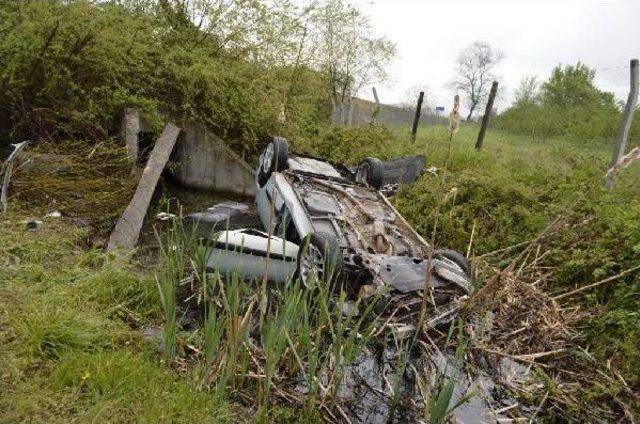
599, 283
521, 358
7, 170
473, 232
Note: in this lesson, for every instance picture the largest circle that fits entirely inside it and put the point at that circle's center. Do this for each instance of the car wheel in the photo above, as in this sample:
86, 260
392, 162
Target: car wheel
319, 259
273, 158
371, 172
456, 257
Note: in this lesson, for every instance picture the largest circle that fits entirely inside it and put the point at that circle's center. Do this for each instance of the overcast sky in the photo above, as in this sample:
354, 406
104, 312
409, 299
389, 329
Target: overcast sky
535, 35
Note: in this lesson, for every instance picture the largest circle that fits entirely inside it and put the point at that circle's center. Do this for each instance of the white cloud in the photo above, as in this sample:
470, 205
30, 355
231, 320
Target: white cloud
535, 36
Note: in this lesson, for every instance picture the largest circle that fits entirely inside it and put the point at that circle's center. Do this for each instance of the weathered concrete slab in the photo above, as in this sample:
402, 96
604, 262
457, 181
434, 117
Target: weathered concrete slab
130, 130
205, 161
133, 123
127, 230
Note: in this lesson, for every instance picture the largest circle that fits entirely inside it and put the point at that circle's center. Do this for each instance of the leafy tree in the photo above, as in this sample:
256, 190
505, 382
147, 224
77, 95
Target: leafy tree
569, 104
527, 92
573, 85
474, 73
68, 67
344, 48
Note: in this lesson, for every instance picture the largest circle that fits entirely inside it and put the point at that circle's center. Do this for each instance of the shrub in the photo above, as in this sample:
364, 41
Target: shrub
352, 144
70, 67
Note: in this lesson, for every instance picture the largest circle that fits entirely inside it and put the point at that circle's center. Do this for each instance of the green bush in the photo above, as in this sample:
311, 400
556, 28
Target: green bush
512, 198
68, 68
352, 144
569, 105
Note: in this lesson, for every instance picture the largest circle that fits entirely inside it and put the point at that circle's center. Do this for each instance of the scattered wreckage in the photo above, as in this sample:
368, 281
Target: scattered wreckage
334, 224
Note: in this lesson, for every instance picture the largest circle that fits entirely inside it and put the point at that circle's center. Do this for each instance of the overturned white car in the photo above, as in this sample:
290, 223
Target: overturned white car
331, 223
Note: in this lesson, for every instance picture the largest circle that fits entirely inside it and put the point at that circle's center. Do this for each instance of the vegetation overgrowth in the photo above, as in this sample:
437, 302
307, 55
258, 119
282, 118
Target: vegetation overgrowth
508, 193
78, 327
242, 68
75, 315
568, 105
70, 325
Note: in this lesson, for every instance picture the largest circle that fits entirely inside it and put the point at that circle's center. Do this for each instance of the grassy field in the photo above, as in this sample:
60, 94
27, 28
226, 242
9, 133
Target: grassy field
71, 317
70, 342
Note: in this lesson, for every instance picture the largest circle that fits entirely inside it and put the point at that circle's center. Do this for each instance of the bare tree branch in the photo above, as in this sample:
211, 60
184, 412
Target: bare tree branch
474, 70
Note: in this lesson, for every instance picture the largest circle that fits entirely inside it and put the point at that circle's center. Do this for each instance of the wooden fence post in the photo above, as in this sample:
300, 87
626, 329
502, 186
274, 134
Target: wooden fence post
376, 111
625, 124
416, 118
487, 115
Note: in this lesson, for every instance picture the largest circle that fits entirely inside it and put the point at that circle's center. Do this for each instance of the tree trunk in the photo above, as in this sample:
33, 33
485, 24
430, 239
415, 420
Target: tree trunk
473, 107
127, 230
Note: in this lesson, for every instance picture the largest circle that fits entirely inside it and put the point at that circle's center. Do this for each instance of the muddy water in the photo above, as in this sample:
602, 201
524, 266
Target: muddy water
189, 200
366, 394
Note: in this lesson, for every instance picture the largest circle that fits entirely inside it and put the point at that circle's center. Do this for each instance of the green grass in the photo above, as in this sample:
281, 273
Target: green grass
67, 347
301, 333
70, 342
72, 348
510, 191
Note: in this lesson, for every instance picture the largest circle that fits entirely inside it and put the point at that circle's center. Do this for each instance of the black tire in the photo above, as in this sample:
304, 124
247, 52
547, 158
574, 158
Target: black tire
278, 151
456, 257
371, 171
331, 257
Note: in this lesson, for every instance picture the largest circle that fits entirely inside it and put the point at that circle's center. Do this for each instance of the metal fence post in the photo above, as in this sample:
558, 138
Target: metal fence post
625, 125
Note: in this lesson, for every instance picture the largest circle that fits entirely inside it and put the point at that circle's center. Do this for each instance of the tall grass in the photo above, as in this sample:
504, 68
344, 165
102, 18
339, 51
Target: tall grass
439, 407
304, 334
176, 246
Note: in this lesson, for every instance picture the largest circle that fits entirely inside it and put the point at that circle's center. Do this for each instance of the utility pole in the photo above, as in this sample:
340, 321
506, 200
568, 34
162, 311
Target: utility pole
625, 124
487, 115
416, 118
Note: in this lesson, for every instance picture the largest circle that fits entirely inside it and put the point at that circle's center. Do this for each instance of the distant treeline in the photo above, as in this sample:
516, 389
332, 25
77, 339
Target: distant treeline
568, 105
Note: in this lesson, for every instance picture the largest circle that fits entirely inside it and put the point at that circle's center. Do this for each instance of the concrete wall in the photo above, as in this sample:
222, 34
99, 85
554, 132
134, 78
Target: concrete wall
205, 161
394, 116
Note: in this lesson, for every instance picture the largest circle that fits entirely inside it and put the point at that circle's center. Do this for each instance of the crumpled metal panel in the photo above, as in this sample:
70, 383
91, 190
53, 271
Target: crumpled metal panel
320, 202
407, 274
403, 170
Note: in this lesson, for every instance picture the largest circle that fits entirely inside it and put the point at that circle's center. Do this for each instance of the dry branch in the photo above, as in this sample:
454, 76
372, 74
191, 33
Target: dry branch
599, 283
7, 170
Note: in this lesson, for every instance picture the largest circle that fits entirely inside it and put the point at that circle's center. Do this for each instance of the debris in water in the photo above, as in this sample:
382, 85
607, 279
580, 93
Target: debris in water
54, 214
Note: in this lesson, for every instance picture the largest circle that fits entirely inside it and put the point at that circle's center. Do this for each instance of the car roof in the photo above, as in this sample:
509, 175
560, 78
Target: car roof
313, 166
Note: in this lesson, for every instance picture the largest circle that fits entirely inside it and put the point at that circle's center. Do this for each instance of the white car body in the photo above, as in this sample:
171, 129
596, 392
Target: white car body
252, 254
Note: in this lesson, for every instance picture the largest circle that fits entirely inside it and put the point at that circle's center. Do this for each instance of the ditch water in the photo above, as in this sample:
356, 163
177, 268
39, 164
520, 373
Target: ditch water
366, 394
